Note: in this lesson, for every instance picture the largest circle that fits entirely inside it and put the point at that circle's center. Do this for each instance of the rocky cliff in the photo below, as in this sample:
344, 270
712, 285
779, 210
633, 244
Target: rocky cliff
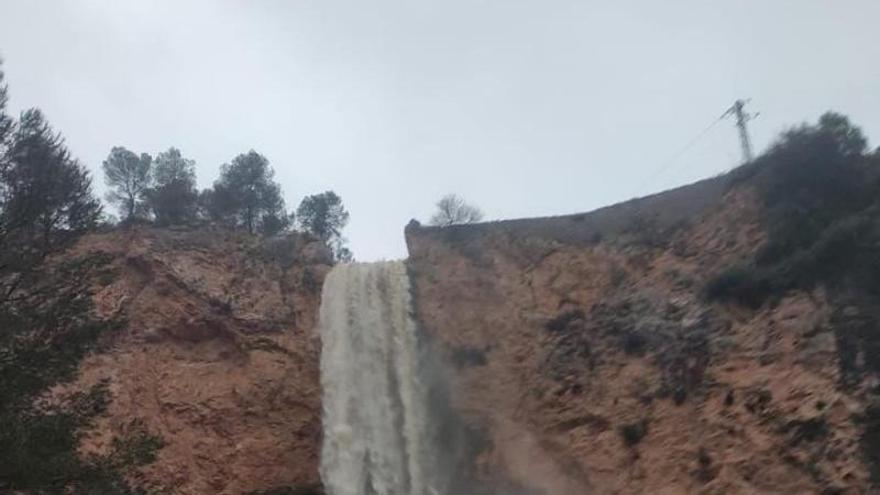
582, 354
585, 358
217, 355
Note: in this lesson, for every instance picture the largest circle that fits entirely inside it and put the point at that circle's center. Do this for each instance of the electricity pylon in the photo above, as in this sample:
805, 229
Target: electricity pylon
742, 117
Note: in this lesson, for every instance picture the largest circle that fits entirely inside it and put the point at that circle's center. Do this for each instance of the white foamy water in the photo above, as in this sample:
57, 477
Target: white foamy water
374, 399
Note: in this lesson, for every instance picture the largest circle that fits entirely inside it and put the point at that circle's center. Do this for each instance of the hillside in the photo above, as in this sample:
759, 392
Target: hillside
218, 356
718, 338
715, 338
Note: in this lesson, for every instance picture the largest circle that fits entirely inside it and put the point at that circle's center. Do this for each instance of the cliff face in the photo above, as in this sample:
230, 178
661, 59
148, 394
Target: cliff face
581, 353
585, 360
218, 355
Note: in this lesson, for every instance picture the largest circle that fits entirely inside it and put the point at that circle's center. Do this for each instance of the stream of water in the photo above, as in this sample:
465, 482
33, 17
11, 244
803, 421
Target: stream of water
376, 439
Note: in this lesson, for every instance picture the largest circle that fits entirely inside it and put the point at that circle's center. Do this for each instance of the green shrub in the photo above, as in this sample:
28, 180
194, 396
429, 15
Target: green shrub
742, 284
561, 321
843, 255
136, 447
633, 433
634, 343
806, 430
820, 194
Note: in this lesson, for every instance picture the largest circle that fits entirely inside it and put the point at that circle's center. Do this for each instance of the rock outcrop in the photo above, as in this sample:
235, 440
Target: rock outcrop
584, 359
218, 356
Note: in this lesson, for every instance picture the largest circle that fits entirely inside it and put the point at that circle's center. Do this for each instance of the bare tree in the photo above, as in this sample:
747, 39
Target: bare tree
453, 210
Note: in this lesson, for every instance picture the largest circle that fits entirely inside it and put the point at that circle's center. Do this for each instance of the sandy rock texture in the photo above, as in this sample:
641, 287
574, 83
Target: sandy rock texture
584, 359
218, 354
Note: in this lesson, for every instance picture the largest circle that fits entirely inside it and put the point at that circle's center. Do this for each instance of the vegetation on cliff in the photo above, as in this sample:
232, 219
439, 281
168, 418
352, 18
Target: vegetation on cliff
47, 324
590, 333
820, 189
245, 196
324, 216
453, 210
60, 303
821, 193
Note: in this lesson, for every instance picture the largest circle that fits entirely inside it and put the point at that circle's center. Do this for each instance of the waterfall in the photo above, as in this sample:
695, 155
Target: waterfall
376, 439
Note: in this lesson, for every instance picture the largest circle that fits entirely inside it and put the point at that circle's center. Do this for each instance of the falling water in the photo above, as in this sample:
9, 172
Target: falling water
375, 397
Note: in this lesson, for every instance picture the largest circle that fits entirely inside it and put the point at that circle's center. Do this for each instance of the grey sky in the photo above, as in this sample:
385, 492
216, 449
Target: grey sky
524, 107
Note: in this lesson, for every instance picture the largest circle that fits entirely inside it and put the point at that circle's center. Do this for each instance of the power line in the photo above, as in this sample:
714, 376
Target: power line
684, 149
742, 118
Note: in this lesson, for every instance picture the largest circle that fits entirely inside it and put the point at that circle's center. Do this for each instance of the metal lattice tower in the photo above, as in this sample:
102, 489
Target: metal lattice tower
742, 118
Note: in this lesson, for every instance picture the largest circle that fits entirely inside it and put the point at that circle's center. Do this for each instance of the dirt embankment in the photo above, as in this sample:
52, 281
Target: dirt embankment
585, 360
218, 355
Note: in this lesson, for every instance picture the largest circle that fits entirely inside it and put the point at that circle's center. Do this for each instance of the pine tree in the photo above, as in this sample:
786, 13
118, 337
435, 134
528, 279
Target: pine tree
47, 195
246, 196
173, 199
324, 216
129, 178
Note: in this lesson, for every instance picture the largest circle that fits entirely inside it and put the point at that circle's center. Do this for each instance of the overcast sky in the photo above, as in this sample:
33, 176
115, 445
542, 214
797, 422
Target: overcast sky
524, 107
